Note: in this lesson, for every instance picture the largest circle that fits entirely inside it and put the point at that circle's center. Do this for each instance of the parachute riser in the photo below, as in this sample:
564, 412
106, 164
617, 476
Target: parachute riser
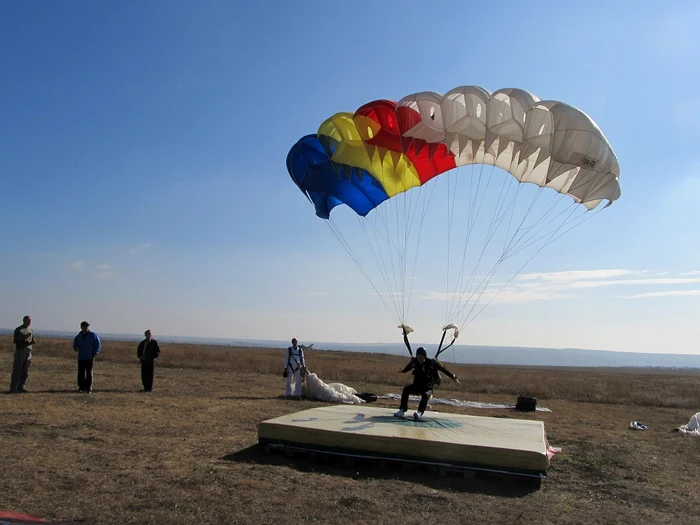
442, 340
441, 351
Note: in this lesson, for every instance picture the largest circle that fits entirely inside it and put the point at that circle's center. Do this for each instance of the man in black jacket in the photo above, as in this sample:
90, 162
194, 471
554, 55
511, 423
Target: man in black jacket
425, 378
148, 351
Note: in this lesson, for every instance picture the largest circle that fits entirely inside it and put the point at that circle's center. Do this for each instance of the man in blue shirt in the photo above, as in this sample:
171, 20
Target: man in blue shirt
88, 345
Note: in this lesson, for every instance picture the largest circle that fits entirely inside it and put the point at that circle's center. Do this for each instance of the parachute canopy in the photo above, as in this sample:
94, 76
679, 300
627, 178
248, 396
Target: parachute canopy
378, 160
385, 148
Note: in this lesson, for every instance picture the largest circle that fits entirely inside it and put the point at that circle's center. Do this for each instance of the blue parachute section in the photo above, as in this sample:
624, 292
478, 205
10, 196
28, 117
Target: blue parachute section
328, 184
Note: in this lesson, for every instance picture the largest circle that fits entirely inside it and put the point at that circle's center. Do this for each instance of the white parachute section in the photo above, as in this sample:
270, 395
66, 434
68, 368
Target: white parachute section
314, 388
547, 143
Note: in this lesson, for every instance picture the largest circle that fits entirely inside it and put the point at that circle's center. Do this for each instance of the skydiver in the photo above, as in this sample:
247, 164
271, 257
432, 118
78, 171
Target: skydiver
425, 378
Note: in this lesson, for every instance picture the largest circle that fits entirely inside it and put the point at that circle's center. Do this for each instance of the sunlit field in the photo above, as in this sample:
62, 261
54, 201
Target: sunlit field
187, 452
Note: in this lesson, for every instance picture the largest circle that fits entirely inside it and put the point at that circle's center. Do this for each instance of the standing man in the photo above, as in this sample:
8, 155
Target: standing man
24, 339
148, 351
294, 368
88, 345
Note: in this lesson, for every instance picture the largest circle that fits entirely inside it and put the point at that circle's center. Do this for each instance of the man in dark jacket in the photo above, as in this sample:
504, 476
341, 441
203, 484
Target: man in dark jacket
148, 351
88, 345
425, 378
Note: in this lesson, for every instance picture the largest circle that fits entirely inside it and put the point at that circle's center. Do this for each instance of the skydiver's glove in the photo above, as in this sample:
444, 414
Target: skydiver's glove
284, 374
456, 379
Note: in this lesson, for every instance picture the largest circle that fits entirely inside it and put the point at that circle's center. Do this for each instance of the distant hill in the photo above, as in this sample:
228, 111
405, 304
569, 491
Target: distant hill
492, 355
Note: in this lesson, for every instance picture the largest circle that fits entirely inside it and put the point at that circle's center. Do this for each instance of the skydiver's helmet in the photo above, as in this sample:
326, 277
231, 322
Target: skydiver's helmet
421, 351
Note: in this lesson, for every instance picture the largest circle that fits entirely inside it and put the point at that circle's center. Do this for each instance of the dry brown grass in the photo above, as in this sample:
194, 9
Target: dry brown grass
186, 454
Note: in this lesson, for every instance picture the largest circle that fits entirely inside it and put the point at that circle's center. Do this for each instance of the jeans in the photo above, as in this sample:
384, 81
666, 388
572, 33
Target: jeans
85, 374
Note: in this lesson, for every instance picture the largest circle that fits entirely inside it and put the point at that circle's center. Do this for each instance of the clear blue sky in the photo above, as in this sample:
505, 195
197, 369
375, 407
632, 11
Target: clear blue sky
143, 146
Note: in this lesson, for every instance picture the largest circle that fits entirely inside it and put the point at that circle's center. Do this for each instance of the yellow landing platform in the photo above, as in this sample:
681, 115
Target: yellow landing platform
512, 445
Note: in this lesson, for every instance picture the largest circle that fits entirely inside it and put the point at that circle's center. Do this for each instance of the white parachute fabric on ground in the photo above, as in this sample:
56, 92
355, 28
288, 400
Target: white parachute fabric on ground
315, 388
693, 426
456, 402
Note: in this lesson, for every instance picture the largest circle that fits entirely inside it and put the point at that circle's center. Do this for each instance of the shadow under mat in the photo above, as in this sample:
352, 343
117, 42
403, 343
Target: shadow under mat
481, 482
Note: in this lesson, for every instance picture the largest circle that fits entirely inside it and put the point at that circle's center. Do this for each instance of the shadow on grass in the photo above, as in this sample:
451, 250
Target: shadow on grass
73, 391
251, 398
482, 483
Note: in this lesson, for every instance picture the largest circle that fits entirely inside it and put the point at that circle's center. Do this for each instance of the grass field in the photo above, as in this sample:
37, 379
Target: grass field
186, 453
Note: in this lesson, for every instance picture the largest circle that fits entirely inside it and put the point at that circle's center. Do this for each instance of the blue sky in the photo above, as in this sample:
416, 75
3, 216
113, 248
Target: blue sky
143, 146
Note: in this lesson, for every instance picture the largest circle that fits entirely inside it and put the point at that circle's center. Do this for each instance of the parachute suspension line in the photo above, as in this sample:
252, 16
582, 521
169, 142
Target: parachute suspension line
489, 275
400, 254
334, 228
582, 218
471, 222
462, 290
501, 210
549, 241
485, 282
469, 228
389, 242
426, 206
529, 209
405, 219
548, 210
552, 236
394, 247
450, 216
410, 206
475, 267
383, 271
530, 237
527, 240
388, 269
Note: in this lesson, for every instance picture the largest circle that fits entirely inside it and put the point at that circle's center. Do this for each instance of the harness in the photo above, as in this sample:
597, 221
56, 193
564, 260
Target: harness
289, 360
432, 374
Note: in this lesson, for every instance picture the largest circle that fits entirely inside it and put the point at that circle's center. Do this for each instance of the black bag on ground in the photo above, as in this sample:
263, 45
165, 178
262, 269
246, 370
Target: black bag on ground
526, 404
366, 396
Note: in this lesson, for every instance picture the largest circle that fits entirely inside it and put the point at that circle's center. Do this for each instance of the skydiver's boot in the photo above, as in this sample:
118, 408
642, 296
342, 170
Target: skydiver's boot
418, 416
400, 413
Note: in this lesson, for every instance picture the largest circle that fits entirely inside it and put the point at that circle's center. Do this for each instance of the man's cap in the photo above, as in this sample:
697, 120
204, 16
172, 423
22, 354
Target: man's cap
84, 323
421, 351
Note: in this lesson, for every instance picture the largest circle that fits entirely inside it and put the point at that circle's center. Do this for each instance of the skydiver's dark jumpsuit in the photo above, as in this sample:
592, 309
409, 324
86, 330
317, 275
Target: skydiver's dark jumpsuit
423, 381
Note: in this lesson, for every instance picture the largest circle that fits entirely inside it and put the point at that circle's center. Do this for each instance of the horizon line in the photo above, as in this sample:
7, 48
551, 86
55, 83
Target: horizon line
107, 335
